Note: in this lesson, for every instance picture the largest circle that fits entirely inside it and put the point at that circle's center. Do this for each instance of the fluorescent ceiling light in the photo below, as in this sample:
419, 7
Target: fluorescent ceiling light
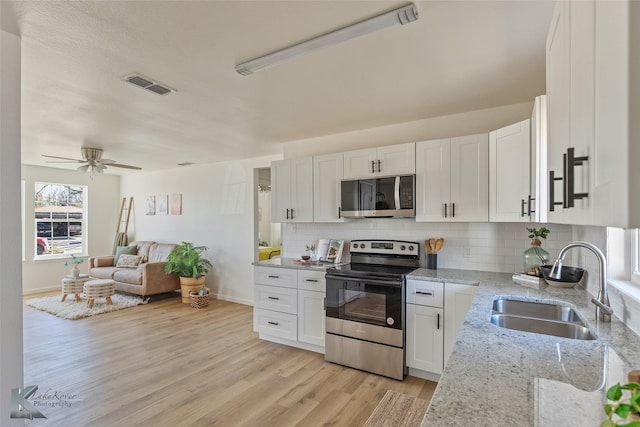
401, 16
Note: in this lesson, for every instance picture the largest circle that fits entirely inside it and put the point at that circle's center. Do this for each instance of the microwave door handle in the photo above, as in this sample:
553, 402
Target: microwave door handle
396, 192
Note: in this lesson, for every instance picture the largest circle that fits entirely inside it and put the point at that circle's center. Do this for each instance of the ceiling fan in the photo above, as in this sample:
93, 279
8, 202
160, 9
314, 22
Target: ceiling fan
93, 161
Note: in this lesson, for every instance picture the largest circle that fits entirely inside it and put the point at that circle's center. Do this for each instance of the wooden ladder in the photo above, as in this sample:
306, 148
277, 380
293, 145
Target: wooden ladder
121, 236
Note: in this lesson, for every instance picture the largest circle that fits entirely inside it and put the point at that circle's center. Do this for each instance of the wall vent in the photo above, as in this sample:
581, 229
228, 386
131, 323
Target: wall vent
148, 84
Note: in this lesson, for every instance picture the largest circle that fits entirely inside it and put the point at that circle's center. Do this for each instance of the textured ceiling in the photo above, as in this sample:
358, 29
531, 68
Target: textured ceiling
459, 56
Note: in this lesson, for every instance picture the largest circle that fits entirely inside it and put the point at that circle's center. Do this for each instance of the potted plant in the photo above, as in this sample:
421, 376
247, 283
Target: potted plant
628, 409
191, 267
535, 256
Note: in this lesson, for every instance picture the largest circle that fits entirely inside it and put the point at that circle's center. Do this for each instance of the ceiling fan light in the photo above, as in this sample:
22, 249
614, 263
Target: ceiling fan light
83, 168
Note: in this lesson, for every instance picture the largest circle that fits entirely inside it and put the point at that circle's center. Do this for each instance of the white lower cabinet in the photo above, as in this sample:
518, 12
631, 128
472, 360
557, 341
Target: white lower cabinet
435, 314
311, 320
289, 306
425, 338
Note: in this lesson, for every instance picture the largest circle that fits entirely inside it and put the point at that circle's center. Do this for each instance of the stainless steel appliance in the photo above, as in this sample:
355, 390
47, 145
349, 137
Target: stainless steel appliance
365, 306
392, 196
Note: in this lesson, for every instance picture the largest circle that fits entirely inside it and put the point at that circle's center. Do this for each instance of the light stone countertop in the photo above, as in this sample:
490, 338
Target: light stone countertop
290, 263
502, 377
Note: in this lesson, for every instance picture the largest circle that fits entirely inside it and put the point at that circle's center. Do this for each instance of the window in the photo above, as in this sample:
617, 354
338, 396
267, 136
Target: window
59, 219
635, 257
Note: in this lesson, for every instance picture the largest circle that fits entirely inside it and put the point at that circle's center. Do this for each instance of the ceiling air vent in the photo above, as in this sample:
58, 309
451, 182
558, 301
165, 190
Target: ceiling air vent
148, 84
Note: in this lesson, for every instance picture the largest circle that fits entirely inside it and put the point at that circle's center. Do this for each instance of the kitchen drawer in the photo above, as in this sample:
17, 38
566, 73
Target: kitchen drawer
311, 280
274, 323
276, 298
284, 277
422, 292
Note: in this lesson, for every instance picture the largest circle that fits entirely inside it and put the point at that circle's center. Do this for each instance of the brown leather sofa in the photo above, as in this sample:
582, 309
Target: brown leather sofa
148, 278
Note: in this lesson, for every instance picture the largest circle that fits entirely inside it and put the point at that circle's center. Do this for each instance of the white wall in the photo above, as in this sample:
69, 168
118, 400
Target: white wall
11, 364
103, 198
469, 123
218, 205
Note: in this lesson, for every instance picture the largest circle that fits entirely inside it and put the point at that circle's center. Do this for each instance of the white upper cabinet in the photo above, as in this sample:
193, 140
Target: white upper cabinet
397, 159
538, 204
452, 179
509, 174
327, 174
292, 190
593, 70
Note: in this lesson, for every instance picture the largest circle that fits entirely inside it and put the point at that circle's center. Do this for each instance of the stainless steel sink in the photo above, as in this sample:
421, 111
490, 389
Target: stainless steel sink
538, 310
539, 317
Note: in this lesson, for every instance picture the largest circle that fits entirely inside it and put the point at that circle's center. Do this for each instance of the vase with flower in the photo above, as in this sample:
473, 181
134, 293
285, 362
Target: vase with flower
535, 256
74, 262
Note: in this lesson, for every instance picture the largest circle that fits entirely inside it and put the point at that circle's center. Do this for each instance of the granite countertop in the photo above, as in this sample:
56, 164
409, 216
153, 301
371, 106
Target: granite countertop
292, 263
502, 377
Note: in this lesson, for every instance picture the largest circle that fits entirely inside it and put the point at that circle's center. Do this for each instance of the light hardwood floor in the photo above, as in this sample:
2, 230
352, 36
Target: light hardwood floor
167, 364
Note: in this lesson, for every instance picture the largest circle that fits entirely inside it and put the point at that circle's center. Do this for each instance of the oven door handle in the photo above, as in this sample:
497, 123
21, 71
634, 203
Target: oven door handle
396, 192
397, 283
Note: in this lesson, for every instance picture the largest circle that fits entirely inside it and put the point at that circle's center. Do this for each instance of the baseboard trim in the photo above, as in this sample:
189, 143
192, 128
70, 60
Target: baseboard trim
40, 290
232, 299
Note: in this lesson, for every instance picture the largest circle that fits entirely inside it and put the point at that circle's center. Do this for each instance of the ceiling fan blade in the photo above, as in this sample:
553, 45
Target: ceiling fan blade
117, 165
64, 161
64, 158
107, 161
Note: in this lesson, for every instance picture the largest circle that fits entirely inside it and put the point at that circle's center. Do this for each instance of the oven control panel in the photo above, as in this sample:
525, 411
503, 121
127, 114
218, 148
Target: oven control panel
392, 247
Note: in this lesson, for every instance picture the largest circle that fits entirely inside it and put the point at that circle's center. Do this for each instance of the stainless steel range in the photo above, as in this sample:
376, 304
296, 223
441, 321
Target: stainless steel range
365, 307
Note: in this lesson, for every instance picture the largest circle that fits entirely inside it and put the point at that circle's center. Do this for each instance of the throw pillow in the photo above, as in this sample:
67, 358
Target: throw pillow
124, 250
128, 261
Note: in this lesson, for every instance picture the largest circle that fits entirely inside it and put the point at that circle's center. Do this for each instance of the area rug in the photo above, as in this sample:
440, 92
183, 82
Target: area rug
70, 309
397, 409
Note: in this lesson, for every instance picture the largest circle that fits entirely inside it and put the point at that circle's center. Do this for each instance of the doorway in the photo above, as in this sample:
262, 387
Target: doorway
269, 235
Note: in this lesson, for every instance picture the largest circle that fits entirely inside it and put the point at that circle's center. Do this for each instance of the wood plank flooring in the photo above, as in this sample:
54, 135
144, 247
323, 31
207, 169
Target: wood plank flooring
167, 364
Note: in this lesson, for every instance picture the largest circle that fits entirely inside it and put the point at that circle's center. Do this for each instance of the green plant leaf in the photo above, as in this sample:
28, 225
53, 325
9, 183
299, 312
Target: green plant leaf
608, 423
623, 410
608, 409
631, 424
631, 386
615, 392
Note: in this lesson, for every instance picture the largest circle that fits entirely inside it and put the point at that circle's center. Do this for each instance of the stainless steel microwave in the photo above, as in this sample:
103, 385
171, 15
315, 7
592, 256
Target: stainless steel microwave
393, 196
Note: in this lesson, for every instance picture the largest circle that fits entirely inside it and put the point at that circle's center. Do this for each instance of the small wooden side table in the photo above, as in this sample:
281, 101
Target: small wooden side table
73, 285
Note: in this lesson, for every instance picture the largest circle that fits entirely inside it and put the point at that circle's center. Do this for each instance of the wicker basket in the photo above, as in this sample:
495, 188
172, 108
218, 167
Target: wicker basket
200, 301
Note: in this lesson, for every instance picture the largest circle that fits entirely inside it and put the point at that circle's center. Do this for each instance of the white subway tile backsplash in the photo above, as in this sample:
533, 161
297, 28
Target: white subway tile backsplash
489, 246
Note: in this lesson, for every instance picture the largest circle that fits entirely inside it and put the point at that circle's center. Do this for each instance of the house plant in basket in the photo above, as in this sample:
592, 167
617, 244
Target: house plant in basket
188, 263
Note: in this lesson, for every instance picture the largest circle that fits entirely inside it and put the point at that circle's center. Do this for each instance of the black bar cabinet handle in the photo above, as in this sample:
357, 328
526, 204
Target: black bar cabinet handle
287, 213
565, 183
453, 210
274, 298
424, 293
529, 210
273, 323
273, 277
311, 280
445, 210
379, 170
571, 162
522, 208
438, 326
339, 212
552, 191
291, 213
373, 166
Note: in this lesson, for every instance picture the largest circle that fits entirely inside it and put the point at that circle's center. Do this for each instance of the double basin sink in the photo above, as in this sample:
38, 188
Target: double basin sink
540, 317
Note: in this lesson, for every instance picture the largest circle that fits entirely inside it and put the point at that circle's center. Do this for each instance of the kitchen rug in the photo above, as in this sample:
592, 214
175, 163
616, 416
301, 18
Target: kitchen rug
72, 309
398, 410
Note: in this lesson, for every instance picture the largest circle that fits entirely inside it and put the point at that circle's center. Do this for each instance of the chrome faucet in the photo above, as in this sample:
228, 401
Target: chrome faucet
603, 307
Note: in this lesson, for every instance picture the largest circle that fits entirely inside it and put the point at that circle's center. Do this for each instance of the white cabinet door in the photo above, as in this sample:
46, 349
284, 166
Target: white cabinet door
302, 189
457, 300
538, 181
281, 190
425, 332
311, 316
433, 184
470, 178
327, 174
397, 159
558, 105
292, 190
509, 150
360, 163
